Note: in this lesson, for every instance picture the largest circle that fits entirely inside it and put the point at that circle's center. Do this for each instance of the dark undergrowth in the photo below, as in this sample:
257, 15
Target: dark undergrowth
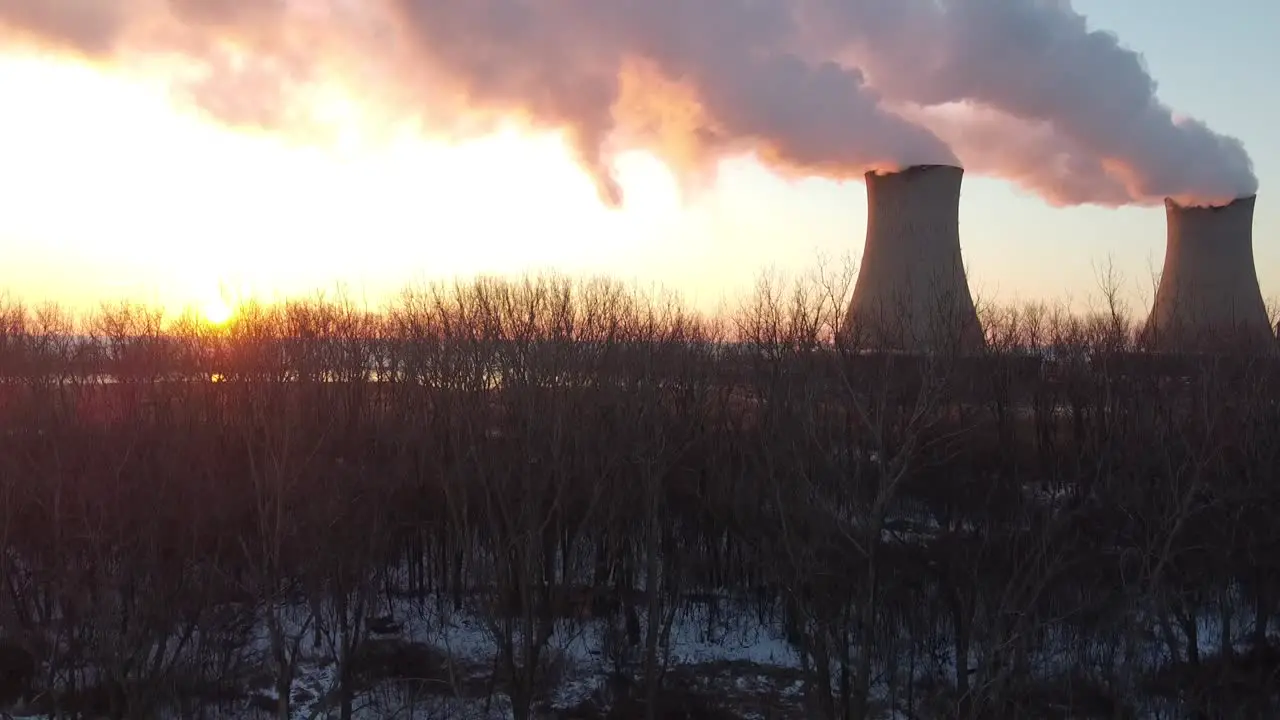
1058, 526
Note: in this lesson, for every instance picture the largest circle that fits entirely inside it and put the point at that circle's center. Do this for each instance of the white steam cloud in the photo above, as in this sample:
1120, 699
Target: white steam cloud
1021, 89
1040, 62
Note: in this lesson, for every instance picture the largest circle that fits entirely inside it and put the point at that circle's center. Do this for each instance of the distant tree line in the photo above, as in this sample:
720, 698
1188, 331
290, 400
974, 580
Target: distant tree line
1057, 526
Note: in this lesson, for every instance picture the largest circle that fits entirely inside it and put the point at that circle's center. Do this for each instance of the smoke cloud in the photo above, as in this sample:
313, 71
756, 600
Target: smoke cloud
1031, 154
89, 27
1020, 89
727, 63
583, 68
1038, 61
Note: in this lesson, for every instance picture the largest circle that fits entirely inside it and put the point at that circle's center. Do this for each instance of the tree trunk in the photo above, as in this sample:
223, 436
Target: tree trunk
1261, 614
961, 625
866, 623
653, 623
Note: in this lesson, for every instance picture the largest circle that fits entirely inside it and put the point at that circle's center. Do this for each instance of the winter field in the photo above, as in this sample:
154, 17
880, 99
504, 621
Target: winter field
565, 500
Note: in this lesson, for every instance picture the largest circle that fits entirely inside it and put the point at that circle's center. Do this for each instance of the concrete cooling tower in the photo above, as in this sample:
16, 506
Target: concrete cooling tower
1208, 299
911, 294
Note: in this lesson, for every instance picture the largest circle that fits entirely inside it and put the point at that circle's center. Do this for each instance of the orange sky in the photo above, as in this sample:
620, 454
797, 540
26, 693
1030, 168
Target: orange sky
113, 191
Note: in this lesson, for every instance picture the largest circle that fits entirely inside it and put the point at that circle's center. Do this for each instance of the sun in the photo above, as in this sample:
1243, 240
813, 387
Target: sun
217, 312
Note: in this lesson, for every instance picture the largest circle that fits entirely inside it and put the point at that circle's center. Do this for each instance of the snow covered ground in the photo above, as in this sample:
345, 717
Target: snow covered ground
441, 663
713, 650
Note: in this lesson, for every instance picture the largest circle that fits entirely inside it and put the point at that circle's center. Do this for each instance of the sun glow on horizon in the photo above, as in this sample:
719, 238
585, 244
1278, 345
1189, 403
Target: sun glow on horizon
217, 312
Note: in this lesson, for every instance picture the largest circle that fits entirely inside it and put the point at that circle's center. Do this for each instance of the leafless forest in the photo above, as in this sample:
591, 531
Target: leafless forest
1059, 527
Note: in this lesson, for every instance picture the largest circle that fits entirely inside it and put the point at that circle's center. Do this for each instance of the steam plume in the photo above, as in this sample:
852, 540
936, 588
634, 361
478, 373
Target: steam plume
1039, 61
90, 27
570, 66
1031, 154
1022, 89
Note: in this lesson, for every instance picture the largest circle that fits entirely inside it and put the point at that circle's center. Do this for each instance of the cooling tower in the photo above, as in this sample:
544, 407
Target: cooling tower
911, 293
1208, 299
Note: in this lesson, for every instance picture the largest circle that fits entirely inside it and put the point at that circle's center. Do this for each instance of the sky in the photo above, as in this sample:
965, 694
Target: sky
112, 190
